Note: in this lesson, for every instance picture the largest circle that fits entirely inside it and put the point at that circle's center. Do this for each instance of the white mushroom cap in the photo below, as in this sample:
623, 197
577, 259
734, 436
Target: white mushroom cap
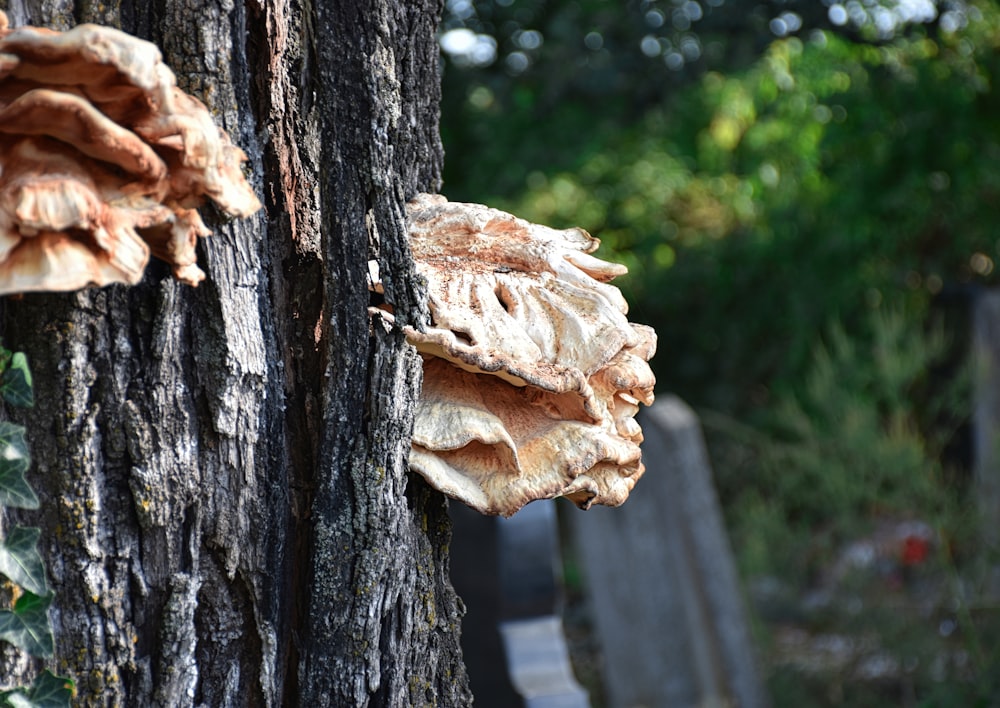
532, 373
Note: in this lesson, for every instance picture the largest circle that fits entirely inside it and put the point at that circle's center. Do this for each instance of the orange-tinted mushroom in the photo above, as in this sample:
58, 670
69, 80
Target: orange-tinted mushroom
104, 161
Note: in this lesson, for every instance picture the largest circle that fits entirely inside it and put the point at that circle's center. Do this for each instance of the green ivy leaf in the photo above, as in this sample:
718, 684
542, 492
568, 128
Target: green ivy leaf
27, 625
20, 362
46, 691
14, 461
15, 382
20, 560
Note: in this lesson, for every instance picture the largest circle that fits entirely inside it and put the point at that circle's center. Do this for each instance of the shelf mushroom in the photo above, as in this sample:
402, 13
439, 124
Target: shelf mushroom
103, 160
532, 372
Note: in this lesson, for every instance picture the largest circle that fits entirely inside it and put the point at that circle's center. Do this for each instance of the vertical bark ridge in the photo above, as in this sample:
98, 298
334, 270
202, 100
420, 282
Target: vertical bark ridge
367, 534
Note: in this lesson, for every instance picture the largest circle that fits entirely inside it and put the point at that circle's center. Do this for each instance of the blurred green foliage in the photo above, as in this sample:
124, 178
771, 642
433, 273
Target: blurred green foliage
757, 207
793, 210
845, 449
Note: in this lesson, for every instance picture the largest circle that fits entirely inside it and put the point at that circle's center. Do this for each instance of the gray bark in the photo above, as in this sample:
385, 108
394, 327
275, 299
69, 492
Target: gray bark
226, 513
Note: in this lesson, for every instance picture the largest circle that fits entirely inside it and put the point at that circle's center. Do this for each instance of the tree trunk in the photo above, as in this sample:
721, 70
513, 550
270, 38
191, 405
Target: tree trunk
226, 513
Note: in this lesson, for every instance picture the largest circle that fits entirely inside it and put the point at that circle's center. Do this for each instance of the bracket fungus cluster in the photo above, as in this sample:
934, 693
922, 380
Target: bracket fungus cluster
532, 372
103, 160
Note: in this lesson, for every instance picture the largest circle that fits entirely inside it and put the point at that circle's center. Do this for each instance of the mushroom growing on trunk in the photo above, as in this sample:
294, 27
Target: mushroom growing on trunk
103, 160
532, 372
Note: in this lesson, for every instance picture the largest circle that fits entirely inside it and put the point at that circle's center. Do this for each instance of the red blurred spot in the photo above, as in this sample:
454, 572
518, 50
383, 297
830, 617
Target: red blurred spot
915, 550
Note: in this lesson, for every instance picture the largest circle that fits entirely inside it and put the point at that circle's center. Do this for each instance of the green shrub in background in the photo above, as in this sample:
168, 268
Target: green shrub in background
822, 488
845, 448
755, 207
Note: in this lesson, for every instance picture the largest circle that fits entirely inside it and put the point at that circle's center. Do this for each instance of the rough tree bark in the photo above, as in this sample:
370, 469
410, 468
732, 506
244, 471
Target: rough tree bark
226, 513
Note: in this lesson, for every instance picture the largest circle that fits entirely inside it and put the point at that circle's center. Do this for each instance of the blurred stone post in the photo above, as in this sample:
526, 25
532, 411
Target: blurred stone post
663, 589
508, 573
986, 412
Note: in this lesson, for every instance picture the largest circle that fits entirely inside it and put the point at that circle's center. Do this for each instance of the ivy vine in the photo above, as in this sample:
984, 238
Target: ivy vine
25, 623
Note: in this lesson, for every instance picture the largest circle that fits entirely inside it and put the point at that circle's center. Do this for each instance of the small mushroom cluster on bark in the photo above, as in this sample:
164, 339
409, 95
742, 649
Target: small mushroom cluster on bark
103, 160
532, 372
